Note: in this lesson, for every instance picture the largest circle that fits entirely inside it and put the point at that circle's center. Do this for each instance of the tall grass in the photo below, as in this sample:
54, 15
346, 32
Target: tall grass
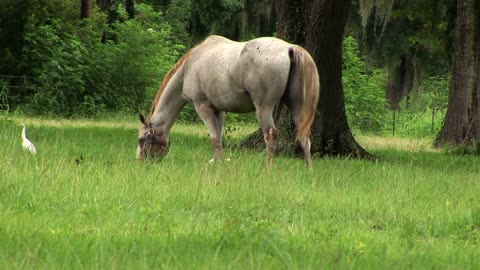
408, 210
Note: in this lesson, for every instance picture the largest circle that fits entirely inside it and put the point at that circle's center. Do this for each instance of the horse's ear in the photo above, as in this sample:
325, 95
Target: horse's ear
142, 118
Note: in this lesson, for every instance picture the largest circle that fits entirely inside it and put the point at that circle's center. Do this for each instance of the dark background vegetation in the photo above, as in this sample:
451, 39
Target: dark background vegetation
57, 61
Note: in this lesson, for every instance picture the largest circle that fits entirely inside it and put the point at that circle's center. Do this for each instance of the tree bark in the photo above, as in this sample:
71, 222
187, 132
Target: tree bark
319, 27
104, 5
130, 8
291, 20
85, 9
462, 121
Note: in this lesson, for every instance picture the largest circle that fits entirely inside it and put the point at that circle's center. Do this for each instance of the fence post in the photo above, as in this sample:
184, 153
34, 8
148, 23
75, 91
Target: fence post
433, 119
25, 86
394, 121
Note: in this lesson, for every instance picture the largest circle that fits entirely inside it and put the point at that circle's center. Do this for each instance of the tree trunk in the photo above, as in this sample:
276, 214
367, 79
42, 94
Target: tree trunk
130, 8
462, 124
318, 26
104, 5
85, 9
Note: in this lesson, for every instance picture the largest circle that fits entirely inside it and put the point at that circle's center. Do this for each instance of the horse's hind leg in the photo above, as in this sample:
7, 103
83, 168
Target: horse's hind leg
304, 141
306, 145
214, 122
265, 117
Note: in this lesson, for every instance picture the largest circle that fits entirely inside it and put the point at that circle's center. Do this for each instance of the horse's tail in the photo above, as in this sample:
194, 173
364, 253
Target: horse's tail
304, 81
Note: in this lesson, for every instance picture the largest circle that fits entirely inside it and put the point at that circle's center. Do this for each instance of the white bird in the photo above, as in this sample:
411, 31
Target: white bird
26, 143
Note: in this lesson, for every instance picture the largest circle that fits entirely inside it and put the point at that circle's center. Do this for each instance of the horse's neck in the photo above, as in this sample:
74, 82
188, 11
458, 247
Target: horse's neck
170, 104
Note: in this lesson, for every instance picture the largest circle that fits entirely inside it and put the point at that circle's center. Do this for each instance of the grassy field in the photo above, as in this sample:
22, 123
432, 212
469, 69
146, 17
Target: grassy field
414, 208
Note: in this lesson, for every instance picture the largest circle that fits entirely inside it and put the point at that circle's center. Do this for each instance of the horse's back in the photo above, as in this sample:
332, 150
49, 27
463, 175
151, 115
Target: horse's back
235, 76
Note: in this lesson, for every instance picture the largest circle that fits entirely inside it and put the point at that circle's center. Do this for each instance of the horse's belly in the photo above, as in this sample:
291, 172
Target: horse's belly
233, 102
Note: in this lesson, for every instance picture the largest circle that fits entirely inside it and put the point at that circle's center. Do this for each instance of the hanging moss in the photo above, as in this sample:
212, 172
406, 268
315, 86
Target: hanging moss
379, 11
256, 19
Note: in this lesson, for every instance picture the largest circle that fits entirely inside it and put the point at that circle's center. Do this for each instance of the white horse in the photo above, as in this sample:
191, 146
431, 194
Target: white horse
220, 75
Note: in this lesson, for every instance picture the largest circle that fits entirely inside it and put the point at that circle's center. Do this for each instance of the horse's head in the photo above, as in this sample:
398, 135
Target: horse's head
151, 142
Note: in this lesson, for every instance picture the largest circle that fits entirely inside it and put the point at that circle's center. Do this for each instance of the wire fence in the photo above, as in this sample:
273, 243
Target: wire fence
16, 90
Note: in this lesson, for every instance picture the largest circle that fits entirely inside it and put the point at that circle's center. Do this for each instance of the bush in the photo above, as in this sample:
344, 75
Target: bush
59, 59
125, 74
3, 96
365, 101
431, 93
79, 75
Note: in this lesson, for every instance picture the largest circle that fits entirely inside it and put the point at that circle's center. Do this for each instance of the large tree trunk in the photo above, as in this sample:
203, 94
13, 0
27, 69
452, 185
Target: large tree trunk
462, 121
130, 8
318, 26
85, 9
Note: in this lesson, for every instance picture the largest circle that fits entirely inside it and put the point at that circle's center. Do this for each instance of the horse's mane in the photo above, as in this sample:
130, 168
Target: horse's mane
166, 80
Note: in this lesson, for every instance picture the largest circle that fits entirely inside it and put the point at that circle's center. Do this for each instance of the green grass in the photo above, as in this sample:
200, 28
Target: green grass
412, 209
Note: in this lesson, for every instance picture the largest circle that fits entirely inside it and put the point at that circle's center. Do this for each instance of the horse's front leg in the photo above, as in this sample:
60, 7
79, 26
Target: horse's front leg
220, 119
214, 122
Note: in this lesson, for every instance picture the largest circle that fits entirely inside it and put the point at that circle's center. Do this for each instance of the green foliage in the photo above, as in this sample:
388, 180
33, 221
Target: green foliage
178, 15
365, 101
125, 74
411, 123
423, 115
77, 74
431, 93
59, 59
3, 96
214, 16
18, 17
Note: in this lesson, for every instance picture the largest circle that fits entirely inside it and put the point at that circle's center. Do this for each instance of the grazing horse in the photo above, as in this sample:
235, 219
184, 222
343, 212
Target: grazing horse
220, 75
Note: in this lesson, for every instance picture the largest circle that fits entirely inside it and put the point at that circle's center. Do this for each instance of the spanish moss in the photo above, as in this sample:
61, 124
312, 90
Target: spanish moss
379, 11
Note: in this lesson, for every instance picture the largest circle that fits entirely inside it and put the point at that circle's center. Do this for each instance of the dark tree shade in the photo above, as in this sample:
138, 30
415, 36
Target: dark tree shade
130, 8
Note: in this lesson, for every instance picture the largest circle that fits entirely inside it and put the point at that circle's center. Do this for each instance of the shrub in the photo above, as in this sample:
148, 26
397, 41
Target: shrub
365, 101
431, 93
79, 75
125, 74
3, 96
59, 59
